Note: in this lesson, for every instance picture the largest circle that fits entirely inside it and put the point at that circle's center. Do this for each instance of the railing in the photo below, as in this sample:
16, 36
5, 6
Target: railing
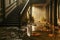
23, 11
24, 7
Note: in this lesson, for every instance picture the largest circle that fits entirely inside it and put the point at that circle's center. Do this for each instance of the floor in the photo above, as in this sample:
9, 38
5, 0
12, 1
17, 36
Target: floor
14, 33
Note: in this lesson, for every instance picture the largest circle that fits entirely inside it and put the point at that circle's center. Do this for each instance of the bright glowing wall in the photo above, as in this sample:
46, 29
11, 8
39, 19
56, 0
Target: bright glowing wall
38, 13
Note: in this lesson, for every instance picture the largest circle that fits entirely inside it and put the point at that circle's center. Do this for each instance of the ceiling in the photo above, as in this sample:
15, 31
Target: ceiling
40, 2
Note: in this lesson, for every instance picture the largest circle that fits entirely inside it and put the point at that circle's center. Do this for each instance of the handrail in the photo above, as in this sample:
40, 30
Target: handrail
24, 7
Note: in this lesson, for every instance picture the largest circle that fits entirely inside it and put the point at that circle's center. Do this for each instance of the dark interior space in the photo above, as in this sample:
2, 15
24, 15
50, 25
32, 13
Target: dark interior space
29, 19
